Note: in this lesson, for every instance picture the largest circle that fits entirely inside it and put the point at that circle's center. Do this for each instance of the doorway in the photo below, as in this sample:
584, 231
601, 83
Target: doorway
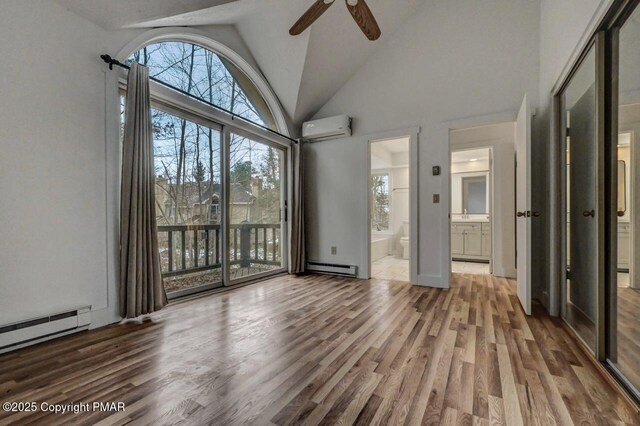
390, 245
486, 152
471, 211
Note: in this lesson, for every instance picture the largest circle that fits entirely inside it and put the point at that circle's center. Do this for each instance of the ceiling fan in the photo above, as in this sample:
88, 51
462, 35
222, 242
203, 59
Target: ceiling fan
358, 8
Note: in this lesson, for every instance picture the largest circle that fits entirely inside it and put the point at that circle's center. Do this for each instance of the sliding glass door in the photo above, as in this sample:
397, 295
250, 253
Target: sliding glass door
256, 207
194, 205
189, 201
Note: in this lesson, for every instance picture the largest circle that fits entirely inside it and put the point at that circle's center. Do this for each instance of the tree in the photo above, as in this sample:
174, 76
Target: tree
268, 204
380, 191
188, 154
200, 176
241, 173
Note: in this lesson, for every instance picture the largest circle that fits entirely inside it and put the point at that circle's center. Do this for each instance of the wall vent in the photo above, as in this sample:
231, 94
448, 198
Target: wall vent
29, 332
332, 269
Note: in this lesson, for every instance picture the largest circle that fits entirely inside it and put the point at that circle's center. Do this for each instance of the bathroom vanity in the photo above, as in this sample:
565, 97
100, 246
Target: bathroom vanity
470, 206
471, 240
624, 246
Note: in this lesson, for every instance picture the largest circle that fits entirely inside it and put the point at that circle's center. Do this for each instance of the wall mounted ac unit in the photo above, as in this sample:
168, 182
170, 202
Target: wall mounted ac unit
327, 128
332, 269
25, 333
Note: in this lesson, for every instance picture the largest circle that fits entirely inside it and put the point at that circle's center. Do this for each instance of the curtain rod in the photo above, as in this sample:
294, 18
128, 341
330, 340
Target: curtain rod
114, 62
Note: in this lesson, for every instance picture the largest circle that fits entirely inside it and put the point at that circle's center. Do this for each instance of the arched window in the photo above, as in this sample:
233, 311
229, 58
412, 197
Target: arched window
207, 76
220, 182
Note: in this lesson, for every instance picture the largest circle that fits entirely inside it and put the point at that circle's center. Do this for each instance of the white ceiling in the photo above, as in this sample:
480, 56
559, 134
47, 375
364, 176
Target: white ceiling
470, 155
393, 146
305, 71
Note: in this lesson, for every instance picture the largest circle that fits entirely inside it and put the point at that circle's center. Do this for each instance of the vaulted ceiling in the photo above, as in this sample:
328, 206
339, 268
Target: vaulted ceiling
304, 71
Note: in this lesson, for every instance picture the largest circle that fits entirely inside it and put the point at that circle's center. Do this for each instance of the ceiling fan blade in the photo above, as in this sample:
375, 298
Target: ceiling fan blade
365, 19
310, 16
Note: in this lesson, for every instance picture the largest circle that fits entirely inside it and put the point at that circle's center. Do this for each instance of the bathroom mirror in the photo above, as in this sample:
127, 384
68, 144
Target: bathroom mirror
474, 195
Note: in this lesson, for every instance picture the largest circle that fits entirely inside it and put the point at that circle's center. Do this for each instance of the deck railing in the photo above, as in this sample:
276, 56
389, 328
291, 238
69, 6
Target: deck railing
187, 249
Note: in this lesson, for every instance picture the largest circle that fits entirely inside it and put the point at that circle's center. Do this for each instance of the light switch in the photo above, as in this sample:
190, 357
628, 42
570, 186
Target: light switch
436, 198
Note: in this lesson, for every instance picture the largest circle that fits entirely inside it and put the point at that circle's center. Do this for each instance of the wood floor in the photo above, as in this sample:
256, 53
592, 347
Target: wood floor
628, 334
323, 350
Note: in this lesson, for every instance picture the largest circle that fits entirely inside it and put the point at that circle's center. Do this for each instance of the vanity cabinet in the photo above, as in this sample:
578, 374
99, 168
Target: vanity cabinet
457, 240
471, 240
486, 240
624, 245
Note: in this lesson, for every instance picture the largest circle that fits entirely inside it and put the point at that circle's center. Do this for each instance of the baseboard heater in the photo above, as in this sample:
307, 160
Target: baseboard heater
332, 269
29, 332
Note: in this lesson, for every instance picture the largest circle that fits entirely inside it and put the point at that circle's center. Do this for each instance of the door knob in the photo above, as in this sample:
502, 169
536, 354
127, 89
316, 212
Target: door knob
536, 214
588, 213
521, 214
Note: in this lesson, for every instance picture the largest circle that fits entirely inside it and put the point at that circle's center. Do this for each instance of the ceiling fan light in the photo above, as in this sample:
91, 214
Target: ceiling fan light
352, 2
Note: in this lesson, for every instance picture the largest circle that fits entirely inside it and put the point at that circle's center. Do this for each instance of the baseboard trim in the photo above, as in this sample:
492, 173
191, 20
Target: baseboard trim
601, 368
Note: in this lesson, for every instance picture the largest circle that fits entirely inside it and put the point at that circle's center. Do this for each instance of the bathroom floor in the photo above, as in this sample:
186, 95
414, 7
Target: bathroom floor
397, 269
470, 268
390, 268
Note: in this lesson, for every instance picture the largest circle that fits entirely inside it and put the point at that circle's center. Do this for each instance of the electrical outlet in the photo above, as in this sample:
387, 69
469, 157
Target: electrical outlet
436, 198
334, 250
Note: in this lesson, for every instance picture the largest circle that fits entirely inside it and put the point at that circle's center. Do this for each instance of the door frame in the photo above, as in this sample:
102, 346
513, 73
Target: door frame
412, 134
445, 129
492, 200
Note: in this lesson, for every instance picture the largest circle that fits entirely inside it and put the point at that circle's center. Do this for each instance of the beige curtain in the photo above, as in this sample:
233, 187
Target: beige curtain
141, 289
298, 251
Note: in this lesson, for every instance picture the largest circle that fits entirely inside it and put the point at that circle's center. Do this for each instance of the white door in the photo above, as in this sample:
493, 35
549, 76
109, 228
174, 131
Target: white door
523, 204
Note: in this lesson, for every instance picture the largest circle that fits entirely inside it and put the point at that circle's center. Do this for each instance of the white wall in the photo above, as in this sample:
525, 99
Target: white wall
59, 170
399, 206
56, 252
450, 61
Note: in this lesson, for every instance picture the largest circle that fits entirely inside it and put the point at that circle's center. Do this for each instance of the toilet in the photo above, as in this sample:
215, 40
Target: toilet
404, 240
